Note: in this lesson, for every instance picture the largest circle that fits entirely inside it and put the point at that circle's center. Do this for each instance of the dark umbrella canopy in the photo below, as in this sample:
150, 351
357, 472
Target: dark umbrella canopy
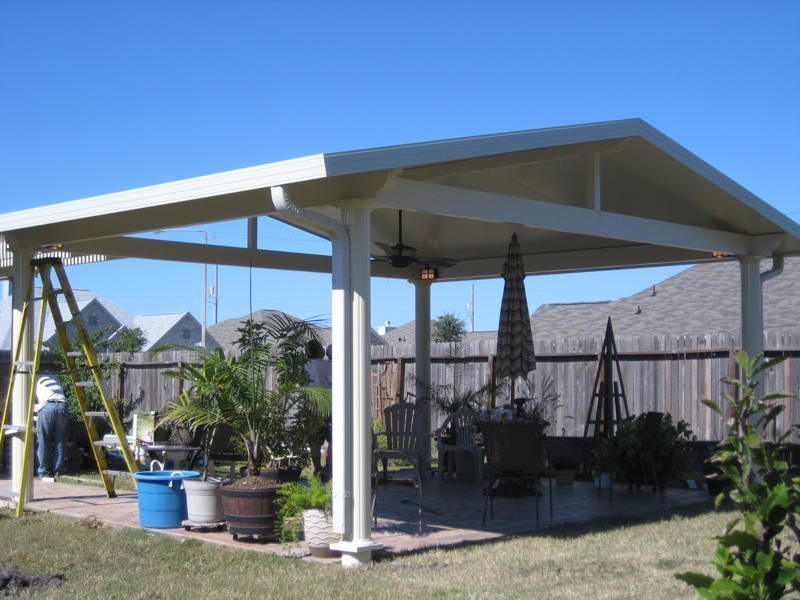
515, 357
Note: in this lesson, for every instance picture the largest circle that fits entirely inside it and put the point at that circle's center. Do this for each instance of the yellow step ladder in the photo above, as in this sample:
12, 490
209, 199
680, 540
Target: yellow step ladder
49, 298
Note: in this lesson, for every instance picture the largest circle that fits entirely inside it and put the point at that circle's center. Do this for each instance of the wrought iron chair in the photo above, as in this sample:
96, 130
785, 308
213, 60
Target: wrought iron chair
462, 424
403, 442
515, 452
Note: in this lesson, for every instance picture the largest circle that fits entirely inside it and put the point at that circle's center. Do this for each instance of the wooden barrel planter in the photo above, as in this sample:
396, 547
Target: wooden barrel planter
250, 511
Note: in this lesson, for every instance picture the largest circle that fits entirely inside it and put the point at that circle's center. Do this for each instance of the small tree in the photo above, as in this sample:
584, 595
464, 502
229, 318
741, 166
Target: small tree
756, 557
127, 339
448, 328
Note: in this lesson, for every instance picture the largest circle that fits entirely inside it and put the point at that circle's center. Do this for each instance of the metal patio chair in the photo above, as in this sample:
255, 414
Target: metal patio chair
515, 453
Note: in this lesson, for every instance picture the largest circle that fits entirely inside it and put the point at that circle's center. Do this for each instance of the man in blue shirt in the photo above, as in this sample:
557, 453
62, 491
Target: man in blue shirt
52, 425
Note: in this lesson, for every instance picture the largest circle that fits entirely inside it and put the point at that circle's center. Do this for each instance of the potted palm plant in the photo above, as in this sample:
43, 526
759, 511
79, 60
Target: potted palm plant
308, 503
209, 380
263, 396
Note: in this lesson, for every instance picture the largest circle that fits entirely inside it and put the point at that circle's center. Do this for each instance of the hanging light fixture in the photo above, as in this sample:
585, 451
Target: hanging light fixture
428, 273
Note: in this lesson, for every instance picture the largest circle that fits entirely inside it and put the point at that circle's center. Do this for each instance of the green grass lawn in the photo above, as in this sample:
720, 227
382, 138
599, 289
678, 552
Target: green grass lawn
631, 559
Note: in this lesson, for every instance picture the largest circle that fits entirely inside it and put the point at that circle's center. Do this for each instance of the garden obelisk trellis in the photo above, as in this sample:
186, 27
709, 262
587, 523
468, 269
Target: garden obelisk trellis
608, 399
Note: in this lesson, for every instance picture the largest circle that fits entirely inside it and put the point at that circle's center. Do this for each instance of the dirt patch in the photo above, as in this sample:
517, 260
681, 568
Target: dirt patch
12, 581
257, 482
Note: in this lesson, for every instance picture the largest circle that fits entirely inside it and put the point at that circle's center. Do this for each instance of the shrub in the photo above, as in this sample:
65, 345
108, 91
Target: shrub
668, 454
755, 556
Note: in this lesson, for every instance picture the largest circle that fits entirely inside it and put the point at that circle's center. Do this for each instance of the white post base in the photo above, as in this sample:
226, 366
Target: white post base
355, 554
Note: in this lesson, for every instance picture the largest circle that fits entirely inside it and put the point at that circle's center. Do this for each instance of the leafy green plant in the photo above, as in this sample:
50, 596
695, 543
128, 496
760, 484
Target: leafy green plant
668, 453
540, 407
295, 497
756, 556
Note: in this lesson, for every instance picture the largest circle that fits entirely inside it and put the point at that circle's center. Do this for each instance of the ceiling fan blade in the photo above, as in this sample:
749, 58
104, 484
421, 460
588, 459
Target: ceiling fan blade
385, 247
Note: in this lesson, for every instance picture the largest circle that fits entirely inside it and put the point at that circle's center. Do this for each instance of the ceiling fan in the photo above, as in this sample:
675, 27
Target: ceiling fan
401, 255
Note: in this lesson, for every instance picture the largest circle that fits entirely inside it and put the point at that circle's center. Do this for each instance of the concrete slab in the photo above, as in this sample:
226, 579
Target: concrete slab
459, 506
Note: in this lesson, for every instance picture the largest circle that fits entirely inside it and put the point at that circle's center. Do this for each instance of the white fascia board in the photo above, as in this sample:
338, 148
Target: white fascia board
408, 155
175, 192
498, 208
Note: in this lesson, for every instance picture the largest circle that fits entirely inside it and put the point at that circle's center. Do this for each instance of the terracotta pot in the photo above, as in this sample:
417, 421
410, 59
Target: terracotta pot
250, 512
318, 533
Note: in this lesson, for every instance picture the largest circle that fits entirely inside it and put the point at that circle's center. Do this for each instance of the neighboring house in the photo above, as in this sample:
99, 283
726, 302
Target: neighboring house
702, 299
101, 315
226, 334
406, 334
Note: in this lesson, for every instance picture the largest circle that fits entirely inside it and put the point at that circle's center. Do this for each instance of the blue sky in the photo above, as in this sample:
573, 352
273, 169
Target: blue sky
98, 97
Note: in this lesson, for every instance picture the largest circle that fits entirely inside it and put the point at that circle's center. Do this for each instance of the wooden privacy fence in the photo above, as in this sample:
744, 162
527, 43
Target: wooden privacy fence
667, 373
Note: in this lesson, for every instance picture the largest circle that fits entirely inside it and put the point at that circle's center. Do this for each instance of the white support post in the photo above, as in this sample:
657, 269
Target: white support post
342, 392
357, 548
19, 401
752, 306
422, 339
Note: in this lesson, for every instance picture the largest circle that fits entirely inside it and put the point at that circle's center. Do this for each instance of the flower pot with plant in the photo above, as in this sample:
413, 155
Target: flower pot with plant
308, 503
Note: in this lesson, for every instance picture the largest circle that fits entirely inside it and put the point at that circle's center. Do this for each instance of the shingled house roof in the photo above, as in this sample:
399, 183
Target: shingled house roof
702, 299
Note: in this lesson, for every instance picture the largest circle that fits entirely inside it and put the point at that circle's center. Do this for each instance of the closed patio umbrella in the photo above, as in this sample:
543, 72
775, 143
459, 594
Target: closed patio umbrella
515, 357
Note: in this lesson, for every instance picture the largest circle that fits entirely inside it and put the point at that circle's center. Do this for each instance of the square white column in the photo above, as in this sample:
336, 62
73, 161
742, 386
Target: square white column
22, 383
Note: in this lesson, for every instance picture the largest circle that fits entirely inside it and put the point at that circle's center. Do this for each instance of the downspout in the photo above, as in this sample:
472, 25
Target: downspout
341, 315
777, 269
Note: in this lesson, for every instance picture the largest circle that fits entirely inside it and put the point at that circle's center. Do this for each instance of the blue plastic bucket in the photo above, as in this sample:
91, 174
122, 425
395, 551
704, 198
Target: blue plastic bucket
162, 500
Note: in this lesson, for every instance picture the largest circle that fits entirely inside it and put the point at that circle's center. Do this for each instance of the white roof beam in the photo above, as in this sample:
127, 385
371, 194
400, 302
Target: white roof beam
577, 261
133, 247
498, 208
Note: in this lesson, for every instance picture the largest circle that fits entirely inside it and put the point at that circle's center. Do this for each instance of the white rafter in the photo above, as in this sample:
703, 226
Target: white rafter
499, 208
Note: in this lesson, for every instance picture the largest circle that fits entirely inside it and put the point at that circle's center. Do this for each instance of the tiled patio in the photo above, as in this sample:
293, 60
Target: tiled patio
452, 514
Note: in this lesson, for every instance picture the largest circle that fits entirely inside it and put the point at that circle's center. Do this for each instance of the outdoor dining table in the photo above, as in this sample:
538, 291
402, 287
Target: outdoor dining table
164, 452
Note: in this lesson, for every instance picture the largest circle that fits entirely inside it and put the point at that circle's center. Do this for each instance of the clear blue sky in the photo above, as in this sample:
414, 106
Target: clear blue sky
98, 97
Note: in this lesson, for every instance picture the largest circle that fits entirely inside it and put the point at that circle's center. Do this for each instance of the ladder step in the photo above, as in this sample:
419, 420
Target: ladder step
84, 384
106, 444
75, 353
24, 363
96, 413
16, 429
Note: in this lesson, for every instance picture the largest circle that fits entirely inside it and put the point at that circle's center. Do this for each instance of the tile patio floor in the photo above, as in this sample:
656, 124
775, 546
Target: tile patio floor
459, 504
